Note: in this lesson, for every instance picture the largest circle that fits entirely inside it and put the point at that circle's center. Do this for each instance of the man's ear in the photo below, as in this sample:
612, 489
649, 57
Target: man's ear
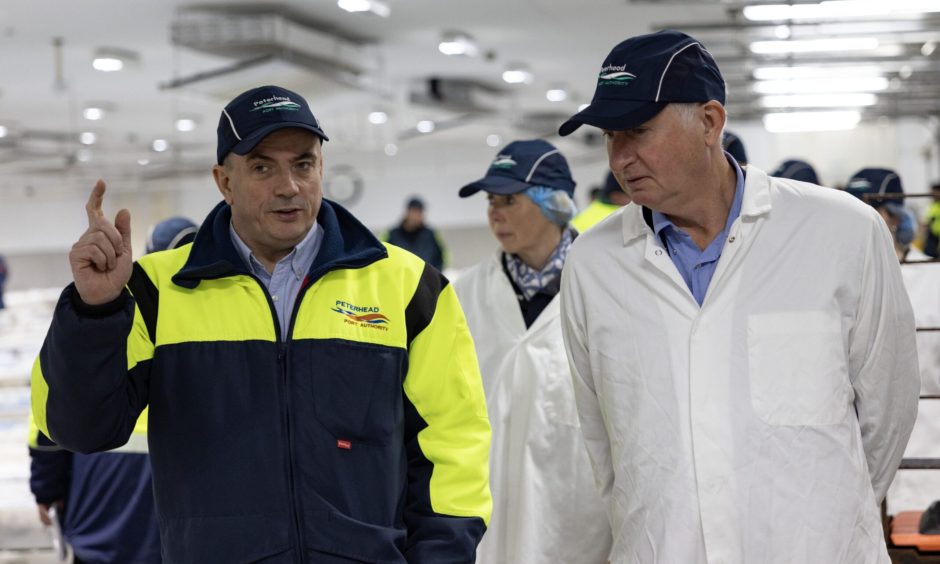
713, 117
223, 181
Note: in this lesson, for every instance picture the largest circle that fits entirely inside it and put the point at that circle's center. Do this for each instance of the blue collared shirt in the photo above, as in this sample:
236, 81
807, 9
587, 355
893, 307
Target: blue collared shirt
697, 266
284, 283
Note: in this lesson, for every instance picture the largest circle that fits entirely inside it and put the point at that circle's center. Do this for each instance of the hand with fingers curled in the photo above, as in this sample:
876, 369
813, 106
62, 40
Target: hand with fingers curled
101, 259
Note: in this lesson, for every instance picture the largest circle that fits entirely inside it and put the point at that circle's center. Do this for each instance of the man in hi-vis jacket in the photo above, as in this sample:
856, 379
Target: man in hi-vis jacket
313, 394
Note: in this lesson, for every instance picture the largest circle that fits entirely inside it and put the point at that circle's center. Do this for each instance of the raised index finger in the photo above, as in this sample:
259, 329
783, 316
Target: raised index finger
93, 206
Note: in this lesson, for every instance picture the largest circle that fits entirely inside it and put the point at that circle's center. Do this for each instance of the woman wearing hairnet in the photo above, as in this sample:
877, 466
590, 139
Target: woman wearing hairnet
545, 506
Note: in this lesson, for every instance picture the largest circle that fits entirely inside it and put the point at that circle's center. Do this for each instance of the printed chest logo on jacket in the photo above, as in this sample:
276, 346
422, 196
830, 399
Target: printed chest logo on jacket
364, 316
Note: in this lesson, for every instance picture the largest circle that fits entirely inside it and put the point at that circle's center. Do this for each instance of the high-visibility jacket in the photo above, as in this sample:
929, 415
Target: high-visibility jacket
360, 436
592, 214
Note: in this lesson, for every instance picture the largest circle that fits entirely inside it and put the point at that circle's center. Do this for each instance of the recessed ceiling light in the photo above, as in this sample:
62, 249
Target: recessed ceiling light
556, 94
111, 59
822, 85
83, 155
818, 71
374, 6
814, 45
517, 73
391, 149
185, 124
905, 72
93, 114
143, 162
493, 140
782, 32
842, 100
159, 145
88, 138
425, 126
839, 9
378, 118
3, 131
928, 48
458, 44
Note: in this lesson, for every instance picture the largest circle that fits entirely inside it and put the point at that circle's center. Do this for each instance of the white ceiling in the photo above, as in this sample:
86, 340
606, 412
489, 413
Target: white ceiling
563, 42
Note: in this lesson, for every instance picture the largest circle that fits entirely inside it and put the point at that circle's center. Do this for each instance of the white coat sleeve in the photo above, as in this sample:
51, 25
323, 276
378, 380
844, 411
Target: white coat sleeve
588, 404
883, 360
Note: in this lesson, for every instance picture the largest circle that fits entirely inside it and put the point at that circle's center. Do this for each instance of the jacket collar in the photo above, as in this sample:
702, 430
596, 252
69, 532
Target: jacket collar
636, 220
347, 243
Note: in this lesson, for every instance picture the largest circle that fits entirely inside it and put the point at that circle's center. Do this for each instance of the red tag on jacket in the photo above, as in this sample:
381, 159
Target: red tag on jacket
346, 445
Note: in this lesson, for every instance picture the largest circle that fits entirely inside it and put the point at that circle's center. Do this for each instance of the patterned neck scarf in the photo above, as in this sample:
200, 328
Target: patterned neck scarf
531, 281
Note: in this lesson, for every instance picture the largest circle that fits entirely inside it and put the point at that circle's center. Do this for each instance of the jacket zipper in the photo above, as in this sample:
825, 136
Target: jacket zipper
282, 361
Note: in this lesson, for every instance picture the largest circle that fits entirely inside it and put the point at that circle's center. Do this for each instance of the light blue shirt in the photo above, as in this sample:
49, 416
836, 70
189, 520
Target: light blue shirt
697, 266
284, 283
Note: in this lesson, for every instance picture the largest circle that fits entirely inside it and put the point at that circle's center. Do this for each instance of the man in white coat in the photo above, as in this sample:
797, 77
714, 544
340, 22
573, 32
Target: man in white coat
742, 346
546, 508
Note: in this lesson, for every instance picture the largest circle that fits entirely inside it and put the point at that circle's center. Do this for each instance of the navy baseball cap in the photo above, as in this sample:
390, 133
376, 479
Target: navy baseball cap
643, 74
522, 164
170, 234
796, 169
870, 182
610, 186
255, 114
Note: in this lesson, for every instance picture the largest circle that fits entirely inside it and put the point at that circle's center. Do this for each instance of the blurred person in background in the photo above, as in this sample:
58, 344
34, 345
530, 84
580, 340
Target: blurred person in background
104, 501
869, 183
611, 198
932, 225
3, 279
412, 234
546, 508
734, 146
796, 169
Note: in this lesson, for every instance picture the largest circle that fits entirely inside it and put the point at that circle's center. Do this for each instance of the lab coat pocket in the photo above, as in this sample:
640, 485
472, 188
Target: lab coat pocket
797, 366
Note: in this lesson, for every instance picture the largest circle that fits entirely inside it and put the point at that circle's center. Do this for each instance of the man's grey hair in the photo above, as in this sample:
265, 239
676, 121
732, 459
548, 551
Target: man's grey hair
687, 110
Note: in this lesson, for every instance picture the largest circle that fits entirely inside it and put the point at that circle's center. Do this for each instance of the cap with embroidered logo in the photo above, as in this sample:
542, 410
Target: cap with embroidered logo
522, 164
255, 114
643, 74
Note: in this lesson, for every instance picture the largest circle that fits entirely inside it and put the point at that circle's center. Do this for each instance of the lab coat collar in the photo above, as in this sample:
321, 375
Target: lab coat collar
756, 203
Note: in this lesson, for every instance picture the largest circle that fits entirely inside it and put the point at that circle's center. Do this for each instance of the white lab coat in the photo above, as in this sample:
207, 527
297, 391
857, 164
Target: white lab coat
545, 506
765, 425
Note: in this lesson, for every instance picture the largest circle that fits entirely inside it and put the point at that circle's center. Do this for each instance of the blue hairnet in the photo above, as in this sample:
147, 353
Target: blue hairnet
556, 205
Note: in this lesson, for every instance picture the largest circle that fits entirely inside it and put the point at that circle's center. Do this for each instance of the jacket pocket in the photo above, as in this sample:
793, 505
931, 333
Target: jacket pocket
357, 390
797, 367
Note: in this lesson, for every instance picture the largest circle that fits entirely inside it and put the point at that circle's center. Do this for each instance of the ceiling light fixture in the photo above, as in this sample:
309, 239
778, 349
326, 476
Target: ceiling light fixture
87, 138
185, 124
517, 73
905, 71
378, 118
794, 72
3, 131
811, 121
814, 45
93, 114
928, 48
425, 126
83, 155
782, 32
839, 9
373, 6
556, 94
493, 140
112, 59
391, 149
848, 100
159, 145
458, 44
822, 85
